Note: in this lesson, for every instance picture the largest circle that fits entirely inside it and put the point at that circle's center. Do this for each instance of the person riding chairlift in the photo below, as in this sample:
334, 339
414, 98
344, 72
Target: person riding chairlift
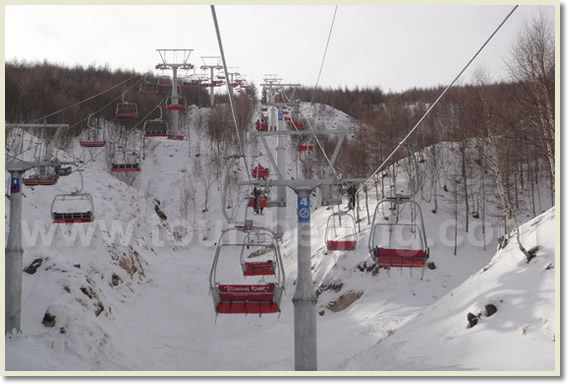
352, 192
256, 204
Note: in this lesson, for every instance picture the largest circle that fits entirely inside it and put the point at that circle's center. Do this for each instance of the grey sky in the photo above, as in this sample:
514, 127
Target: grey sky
392, 47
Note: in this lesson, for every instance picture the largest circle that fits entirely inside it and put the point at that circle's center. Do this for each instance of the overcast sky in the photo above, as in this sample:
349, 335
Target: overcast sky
392, 47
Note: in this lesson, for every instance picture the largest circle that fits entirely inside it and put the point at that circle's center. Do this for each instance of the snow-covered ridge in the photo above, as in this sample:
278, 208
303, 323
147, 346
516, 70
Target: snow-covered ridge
158, 314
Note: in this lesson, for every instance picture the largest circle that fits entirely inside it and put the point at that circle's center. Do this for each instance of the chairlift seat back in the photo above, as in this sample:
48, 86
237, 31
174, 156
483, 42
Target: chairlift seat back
91, 144
72, 217
344, 245
262, 202
404, 258
259, 268
306, 148
247, 298
35, 181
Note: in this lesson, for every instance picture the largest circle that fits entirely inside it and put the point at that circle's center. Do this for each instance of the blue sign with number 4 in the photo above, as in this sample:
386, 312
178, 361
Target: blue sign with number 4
304, 209
15, 185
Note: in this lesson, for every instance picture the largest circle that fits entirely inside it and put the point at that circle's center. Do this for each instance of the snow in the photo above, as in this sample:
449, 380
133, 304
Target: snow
154, 286
519, 336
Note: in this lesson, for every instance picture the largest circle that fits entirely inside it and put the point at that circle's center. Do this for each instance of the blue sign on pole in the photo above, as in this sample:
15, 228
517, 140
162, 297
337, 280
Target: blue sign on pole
280, 114
15, 185
304, 209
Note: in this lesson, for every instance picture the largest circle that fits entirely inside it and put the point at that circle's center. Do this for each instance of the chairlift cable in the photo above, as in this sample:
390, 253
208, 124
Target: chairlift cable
83, 119
87, 99
79, 168
320, 145
314, 92
324, 54
230, 91
437, 100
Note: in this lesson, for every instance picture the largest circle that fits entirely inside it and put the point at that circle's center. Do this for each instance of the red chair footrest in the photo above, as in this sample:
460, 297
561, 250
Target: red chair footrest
72, 221
244, 307
126, 115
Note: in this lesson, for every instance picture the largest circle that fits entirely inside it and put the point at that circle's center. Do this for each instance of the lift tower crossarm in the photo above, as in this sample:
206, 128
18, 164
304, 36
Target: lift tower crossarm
211, 63
296, 184
280, 85
169, 63
175, 59
307, 132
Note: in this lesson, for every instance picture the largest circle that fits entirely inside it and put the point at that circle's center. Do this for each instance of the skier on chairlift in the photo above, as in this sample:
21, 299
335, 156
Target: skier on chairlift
351, 191
256, 204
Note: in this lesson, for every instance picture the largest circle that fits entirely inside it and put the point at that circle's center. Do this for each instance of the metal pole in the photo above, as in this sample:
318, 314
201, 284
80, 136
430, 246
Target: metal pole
211, 91
14, 257
281, 161
230, 81
175, 117
305, 337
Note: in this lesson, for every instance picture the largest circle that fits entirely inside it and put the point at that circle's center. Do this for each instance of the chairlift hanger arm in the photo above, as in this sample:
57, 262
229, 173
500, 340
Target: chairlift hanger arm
335, 154
271, 159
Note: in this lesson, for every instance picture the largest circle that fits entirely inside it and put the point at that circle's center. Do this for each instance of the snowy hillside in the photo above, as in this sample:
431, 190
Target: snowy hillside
519, 336
157, 312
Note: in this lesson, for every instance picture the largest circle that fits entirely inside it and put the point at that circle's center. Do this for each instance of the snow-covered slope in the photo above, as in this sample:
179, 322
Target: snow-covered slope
520, 336
161, 317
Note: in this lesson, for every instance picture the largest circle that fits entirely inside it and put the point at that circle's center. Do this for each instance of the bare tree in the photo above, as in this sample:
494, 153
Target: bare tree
498, 151
531, 63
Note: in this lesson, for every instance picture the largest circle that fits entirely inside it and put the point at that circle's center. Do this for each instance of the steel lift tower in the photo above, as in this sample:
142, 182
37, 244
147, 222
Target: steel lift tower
272, 84
14, 249
212, 63
175, 59
304, 299
232, 72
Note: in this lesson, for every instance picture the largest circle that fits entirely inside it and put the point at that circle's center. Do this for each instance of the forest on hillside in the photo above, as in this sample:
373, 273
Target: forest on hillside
503, 132
36, 92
